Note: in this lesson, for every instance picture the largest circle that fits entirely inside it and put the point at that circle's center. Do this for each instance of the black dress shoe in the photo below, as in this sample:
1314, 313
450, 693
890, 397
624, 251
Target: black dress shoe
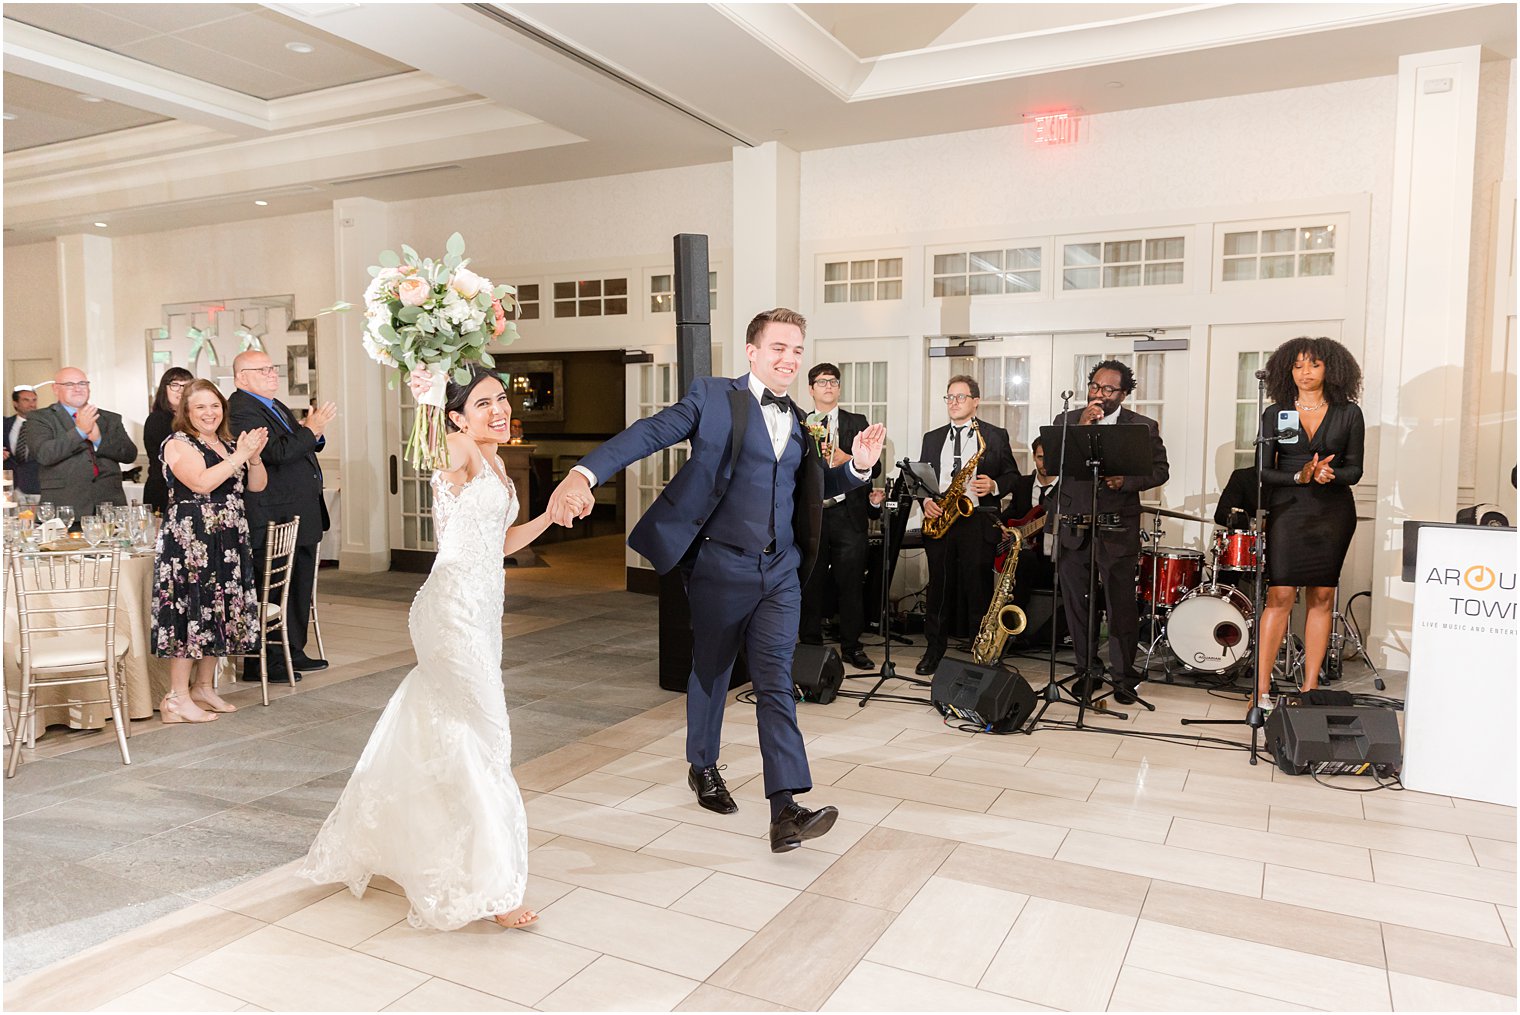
857, 658
1125, 689
251, 674
930, 662
306, 663
796, 822
711, 791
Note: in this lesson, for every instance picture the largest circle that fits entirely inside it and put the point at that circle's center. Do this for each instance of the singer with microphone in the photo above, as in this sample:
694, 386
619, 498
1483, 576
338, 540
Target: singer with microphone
1307, 478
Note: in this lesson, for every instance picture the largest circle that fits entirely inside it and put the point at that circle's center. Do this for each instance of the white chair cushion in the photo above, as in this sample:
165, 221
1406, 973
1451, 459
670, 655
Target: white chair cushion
271, 610
71, 651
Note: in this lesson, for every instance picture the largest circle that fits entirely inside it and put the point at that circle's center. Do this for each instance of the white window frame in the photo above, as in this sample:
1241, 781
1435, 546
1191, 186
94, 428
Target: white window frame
612, 275
821, 262
539, 302
1340, 222
1187, 233
1043, 244
650, 293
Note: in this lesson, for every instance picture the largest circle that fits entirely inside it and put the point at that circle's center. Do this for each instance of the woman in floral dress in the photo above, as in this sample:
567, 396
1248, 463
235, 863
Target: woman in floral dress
204, 602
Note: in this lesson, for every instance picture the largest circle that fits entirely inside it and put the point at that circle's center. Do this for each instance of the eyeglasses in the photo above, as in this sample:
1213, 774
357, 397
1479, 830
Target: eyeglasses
272, 371
177, 385
955, 399
826, 382
71, 384
1107, 390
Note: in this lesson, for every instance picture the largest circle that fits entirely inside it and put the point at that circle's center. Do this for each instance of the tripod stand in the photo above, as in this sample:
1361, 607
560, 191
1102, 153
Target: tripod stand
901, 486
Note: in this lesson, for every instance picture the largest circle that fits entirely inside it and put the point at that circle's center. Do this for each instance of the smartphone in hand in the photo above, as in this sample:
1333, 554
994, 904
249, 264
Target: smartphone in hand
1287, 419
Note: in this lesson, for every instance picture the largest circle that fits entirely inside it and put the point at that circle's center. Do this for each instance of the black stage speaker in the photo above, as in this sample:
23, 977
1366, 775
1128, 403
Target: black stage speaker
692, 303
1331, 740
817, 673
995, 698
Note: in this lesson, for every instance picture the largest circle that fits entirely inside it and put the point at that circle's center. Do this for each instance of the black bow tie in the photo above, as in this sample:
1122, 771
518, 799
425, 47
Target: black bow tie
768, 398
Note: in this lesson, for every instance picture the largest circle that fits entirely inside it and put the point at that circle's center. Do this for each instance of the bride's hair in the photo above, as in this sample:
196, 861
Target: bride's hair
458, 395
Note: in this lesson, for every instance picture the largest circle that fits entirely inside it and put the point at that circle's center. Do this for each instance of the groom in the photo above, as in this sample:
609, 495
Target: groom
741, 520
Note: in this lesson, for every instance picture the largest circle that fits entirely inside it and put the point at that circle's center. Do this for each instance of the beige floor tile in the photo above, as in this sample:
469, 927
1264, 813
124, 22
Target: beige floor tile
1493, 852
1012, 834
738, 902
655, 769
679, 803
1415, 993
635, 732
1269, 847
173, 993
1462, 880
1167, 863
827, 771
1144, 990
1385, 903
550, 771
850, 751
613, 984
1507, 914
1078, 884
709, 998
1315, 981
1094, 817
842, 837
923, 788
949, 931
1434, 845
675, 942
1398, 811
1477, 805
1094, 745
281, 970
783, 963
1061, 955
1242, 813
601, 788
885, 869
1130, 772
854, 804
442, 995
621, 872
108, 970
1020, 777
275, 895
874, 987
1261, 789
344, 920
614, 827
519, 965
1348, 938
740, 855
1458, 960
542, 892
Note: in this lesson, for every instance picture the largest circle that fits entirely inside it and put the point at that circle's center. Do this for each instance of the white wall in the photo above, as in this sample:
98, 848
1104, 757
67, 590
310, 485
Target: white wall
31, 309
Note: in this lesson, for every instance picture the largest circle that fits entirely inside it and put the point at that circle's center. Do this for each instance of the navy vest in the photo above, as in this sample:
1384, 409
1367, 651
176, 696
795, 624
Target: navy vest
757, 509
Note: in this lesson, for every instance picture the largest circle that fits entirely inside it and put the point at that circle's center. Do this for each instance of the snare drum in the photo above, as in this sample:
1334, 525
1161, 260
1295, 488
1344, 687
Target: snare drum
1235, 550
1171, 572
1210, 630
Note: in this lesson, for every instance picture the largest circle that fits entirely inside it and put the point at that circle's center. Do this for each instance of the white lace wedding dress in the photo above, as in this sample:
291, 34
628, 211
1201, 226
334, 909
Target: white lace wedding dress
432, 804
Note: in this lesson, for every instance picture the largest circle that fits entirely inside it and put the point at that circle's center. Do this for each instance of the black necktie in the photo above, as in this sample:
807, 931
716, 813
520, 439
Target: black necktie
1045, 492
957, 452
768, 398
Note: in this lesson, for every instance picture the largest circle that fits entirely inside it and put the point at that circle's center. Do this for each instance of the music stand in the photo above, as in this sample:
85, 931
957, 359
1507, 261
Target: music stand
911, 476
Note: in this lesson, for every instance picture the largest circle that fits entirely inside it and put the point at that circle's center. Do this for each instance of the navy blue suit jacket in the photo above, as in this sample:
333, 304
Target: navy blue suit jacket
713, 416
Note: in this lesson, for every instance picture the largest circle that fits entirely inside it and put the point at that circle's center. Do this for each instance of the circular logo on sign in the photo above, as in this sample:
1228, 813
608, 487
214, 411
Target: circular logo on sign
1479, 578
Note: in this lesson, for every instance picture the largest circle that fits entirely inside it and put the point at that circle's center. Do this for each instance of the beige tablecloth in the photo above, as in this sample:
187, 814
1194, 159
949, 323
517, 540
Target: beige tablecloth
145, 676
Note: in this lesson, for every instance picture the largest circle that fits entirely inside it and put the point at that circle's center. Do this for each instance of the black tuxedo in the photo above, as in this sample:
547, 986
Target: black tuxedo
842, 546
960, 563
23, 469
1118, 552
294, 488
1035, 568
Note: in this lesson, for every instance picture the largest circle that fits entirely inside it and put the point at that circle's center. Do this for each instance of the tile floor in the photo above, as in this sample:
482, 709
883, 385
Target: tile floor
1064, 870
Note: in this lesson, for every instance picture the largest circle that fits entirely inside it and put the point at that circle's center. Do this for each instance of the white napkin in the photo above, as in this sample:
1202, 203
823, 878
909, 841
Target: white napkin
52, 529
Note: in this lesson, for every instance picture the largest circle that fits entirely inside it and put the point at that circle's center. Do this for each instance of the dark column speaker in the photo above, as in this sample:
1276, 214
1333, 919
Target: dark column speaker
1335, 741
817, 673
997, 699
692, 303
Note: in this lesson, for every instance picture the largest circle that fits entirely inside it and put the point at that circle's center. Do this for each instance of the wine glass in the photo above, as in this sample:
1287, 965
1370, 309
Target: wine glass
45, 513
94, 529
66, 516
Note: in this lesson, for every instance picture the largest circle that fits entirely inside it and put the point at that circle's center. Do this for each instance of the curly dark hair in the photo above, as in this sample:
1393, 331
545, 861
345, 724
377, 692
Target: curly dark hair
457, 396
1343, 377
1126, 375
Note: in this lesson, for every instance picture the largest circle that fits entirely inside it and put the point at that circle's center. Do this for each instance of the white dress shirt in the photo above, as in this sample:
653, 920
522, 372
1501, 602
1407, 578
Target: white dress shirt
1111, 419
947, 459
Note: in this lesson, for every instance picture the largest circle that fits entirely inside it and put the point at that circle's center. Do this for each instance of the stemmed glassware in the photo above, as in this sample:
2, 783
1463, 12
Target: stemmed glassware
95, 530
66, 516
45, 513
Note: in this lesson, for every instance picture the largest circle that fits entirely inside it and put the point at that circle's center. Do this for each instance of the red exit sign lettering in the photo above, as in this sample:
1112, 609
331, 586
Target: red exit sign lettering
1056, 128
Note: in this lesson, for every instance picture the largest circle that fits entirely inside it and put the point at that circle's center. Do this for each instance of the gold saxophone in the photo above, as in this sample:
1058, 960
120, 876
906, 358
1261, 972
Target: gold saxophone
954, 504
1003, 619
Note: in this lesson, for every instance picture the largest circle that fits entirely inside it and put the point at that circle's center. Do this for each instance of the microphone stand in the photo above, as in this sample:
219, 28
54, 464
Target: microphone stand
905, 480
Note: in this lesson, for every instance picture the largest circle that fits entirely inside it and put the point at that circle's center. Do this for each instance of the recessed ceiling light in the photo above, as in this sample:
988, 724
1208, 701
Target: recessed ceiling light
100, 225
1116, 84
262, 204
299, 47
10, 116
91, 98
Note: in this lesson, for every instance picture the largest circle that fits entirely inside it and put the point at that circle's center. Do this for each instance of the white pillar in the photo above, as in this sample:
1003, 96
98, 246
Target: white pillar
87, 326
767, 209
1419, 428
361, 229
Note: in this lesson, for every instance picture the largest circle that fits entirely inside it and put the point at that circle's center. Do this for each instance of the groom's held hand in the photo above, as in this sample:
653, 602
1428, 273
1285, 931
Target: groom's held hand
570, 500
868, 445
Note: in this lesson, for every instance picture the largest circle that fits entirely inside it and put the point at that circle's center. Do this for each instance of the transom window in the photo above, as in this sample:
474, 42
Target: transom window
859, 281
662, 293
988, 272
592, 297
1285, 252
1117, 264
527, 301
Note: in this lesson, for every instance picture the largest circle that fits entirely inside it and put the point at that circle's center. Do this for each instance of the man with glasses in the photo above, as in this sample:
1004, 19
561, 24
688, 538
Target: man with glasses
842, 542
960, 562
294, 488
17, 458
79, 448
1117, 541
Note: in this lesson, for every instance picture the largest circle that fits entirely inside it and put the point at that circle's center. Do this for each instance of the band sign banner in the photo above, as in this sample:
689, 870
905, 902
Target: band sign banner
1459, 724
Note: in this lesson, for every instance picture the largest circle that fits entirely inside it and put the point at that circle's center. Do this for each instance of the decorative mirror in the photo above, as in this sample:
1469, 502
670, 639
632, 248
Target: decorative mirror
536, 388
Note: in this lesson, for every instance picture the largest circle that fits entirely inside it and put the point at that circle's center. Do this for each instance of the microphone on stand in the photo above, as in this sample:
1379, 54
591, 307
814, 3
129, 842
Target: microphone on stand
1066, 396
1261, 375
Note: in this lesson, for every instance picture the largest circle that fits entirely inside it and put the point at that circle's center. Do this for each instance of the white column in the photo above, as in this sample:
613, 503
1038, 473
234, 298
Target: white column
87, 326
361, 229
1419, 427
767, 199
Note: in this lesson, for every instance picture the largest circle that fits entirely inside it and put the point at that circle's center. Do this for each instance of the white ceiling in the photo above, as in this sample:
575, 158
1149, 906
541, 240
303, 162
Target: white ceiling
46, 114
507, 95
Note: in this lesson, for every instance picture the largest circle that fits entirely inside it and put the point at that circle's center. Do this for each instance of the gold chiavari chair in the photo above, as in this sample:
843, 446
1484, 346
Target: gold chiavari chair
274, 595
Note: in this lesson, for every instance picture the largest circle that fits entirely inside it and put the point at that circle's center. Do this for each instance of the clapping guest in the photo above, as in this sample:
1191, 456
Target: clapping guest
205, 604
17, 458
78, 447
157, 428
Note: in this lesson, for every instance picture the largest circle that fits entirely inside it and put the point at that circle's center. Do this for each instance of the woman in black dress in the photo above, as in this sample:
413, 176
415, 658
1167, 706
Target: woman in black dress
1307, 486
156, 429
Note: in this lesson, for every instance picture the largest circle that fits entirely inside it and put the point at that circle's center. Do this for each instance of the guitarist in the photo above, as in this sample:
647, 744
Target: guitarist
1027, 500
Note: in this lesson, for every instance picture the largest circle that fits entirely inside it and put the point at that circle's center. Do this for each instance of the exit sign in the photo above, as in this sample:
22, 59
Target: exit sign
1056, 128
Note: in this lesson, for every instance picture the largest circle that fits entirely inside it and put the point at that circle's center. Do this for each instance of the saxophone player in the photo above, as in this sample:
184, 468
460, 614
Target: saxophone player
960, 561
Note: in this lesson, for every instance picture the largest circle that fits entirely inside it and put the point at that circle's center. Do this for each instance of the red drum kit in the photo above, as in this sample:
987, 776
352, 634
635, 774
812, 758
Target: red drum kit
1206, 623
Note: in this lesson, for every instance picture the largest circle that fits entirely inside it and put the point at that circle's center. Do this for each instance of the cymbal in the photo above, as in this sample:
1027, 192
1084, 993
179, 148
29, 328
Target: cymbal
1168, 513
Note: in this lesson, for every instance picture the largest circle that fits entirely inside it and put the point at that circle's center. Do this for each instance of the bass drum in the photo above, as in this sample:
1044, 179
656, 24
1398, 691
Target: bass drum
1210, 629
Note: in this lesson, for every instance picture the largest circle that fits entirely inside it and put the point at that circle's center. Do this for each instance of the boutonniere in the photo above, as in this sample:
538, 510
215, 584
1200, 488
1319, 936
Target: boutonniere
820, 432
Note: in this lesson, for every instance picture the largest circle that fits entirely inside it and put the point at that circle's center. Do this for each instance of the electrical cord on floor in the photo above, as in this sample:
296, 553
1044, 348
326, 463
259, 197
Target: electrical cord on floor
1393, 783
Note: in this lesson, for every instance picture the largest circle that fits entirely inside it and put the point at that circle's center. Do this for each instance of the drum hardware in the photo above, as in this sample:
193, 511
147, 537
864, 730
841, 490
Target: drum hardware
1161, 512
1235, 550
1343, 632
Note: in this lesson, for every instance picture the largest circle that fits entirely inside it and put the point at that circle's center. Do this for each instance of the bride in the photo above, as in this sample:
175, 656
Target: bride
432, 804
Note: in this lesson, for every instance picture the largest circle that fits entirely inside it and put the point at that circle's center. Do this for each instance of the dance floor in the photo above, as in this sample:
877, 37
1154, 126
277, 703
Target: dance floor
1064, 870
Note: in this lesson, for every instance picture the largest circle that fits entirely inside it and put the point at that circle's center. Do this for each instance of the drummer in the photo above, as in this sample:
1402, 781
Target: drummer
1237, 512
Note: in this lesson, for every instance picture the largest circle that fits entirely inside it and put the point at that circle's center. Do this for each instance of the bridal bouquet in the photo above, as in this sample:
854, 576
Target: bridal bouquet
435, 314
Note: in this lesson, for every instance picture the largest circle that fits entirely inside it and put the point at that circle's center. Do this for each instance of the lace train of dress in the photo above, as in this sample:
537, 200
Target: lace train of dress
432, 804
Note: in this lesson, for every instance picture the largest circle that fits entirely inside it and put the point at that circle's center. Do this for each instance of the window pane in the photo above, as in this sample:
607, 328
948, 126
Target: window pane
878, 382
528, 293
1239, 269
1118, 251
836, 293
1079, 278
660, 284
954, 285
564, 290
1276, 240
527, 311
1317, 238
661, 304
991, 377
646, 383
987, 260
712, 280
889, 267
889, 290
1022, 282
862, 291
1148, 376
1245, 425
836, 271
1316, 264
591, 308
617, 305
1167, 273
1023, 257
1083, 253
1016, 379
615, 287
862, 269
949, 264
1166, 249
1246, 365
1239, 243
1279, 266
564, 308
589, 287
986, 285
1016, 421
1122, 275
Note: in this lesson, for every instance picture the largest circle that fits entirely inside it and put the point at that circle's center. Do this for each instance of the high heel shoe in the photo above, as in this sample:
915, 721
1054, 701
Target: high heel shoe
168, 711
209, 707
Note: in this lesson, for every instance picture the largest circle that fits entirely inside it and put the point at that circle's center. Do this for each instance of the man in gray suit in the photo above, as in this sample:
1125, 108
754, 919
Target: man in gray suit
79, 448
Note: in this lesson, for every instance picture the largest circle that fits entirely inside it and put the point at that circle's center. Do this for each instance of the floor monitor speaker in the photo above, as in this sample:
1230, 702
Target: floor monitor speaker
817, 673
995, 698
1329, 740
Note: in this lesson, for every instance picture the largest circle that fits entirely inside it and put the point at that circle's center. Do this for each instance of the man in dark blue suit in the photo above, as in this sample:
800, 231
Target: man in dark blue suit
741, 521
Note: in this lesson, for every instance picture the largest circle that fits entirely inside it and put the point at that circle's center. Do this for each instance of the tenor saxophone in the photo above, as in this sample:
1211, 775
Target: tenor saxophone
1003, 620
954, 504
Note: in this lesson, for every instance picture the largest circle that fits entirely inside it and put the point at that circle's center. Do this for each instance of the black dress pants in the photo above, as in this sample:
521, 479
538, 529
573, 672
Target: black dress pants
960, 578
841, 565
1116, 589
